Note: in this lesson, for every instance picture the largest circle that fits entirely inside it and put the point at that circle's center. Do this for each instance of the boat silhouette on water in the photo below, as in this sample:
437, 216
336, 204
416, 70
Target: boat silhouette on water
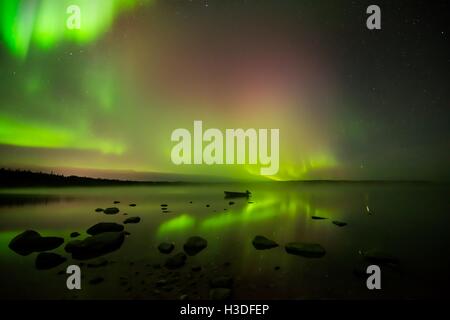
234, 194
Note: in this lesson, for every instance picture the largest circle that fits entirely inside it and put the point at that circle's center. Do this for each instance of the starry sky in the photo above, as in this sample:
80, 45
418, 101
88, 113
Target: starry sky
350, 103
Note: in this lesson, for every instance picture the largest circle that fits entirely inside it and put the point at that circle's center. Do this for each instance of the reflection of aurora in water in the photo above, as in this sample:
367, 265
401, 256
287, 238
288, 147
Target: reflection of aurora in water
270, 207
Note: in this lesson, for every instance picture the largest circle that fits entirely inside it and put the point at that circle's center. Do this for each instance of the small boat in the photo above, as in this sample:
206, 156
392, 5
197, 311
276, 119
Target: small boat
233, 194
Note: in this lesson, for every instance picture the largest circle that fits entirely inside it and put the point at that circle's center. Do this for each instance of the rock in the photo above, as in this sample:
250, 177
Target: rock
104, 227
74, 234
132, 204
194, 245
31, 241
222, 282
220, 294
116, 202
231, 203
318, 218
166, 247
99, 210
48, 260
95, 246
112, 210
96, 280
262, 243
97, 264
340, 223
308, 250
376, 256
132, 220
176, 261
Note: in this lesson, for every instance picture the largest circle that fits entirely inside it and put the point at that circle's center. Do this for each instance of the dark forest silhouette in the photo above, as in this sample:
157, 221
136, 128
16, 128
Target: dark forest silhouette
26, 178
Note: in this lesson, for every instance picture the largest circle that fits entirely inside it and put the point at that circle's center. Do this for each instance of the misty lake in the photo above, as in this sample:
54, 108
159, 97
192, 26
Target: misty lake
408, 221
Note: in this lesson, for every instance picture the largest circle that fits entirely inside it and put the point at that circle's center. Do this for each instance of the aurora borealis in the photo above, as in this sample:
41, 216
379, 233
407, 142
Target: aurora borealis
350, 103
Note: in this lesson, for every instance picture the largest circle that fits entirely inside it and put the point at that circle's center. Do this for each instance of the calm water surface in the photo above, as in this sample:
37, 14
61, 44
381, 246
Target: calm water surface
409, 221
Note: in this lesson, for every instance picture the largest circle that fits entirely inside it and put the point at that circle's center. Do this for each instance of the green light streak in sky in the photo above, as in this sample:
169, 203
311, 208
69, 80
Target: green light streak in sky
43, 22
26, 134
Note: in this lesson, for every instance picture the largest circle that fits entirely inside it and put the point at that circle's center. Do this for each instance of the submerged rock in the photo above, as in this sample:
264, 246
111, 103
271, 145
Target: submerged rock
308, 250
132, 204
132, 220
116, 202
231, 203
376, 256
340, 223
176, 261
220, 294
318, 218
104, 227
262, 243
48, 260
163, 205
112, 210
99, 210
166, 247
74, 234
31, 241
194, 245
221, 282
96, 245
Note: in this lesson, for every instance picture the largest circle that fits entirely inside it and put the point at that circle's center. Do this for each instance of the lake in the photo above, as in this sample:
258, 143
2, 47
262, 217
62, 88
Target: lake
410, 221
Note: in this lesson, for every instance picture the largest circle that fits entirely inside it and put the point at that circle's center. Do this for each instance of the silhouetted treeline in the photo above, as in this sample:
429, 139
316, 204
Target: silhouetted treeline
25, 178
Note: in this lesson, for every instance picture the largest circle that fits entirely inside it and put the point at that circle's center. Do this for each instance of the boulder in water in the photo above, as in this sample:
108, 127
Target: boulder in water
112, 210
194, 245
96, 245
262, 243
104, 227
166, 247
132, 220
339, 223
48, 260
31, 241
308, 250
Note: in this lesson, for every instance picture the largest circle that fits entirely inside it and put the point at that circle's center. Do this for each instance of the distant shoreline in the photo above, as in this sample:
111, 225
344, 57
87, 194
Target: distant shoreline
24, 178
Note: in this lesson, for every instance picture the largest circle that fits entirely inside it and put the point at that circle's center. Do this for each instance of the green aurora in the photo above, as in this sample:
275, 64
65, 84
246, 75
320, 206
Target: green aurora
106, 97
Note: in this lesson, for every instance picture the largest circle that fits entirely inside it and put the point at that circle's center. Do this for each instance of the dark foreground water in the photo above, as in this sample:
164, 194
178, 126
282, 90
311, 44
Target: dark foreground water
409, 221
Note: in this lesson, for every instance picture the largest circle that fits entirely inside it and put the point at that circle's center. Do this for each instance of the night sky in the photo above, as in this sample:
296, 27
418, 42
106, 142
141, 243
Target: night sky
350, 103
